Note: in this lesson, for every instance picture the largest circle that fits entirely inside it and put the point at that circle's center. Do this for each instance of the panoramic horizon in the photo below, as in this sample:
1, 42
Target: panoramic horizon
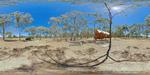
74, 37
129, 16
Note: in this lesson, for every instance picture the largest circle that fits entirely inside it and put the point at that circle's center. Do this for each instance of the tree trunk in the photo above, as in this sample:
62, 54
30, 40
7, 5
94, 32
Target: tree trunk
40, 36
71, 37
146, 35
18, 30
3, 25
19, 35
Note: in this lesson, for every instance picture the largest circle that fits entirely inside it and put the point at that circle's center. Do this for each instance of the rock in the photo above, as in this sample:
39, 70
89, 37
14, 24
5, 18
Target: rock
28, 39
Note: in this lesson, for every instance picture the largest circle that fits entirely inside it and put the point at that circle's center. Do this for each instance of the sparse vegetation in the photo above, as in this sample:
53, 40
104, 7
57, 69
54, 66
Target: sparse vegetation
69, 41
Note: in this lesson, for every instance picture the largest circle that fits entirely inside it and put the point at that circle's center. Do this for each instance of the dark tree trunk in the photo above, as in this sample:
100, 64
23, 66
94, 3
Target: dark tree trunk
40, 36
19, 35
3, 25
71, 37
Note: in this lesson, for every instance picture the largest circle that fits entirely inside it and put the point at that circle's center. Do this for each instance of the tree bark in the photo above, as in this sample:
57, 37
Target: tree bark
3, 27
19, 35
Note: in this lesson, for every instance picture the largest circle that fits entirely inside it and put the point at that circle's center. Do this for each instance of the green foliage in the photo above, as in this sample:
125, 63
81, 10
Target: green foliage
147, 20
22, 19
75, 24
31, 31
135, 30
38, 32
8, 34
120, 31
71, 25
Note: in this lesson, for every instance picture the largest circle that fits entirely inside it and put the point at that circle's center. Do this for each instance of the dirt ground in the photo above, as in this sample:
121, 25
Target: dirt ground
24, 57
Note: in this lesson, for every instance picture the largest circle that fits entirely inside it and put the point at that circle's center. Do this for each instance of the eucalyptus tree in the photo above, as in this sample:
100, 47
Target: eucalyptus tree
147, 33
8, 34
87, 32
46, 32
104, 24
136, 30
54, 31
100, 21
96, 17
70, 23
65, 27
147, 20
21, 20
125, 28
141, 29
37, 31
76, 23
31, 31
55, 27
119, 32
4, 20
147, 26
40, 31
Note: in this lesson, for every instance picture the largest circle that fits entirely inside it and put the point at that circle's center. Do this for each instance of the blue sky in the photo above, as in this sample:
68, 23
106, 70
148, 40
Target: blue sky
42, 11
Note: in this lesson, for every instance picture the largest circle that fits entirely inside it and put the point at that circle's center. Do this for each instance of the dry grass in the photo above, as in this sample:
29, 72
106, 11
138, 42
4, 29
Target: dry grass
137, 51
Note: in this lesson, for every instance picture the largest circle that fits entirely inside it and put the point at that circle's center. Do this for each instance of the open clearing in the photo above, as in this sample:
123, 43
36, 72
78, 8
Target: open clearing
17, 57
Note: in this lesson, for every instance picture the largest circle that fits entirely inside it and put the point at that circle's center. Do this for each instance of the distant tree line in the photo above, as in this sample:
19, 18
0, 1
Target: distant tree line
19, 19
70, 26
133, 31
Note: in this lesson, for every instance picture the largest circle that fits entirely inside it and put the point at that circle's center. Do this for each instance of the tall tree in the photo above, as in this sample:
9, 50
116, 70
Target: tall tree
72, 22
65, 27
55, 27
31, 31
8, 34
96, 17
41, 31
147, 31
21, 20
147, 20
121, 31
4, 20
135, 30
77, 22
103, 24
